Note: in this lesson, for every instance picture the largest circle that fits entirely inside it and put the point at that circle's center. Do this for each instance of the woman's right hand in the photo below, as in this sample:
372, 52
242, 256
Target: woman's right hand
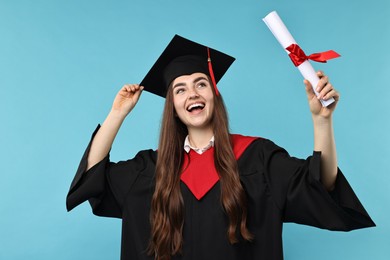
126, 99
124, 102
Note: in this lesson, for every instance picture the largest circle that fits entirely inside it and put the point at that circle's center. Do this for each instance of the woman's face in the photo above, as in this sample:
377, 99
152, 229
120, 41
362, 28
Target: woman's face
193, 100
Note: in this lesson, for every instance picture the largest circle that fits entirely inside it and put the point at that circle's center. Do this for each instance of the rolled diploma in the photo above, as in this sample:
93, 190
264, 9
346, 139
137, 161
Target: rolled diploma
281, 33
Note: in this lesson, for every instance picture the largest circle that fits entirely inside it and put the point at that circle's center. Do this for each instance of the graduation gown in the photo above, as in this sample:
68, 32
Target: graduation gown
279, 188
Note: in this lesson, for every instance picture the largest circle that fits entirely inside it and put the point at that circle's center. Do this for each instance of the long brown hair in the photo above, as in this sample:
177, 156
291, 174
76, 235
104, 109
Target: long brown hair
167, 206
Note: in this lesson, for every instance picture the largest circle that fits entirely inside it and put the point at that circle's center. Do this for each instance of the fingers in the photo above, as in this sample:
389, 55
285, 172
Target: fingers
324, 88
331, 93
309, 90
132, 88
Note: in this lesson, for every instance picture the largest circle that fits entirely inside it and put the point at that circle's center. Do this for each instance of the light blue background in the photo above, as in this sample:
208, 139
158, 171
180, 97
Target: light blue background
62, 62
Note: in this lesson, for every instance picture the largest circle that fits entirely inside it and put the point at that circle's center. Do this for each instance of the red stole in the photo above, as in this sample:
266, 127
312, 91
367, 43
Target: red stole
199, 173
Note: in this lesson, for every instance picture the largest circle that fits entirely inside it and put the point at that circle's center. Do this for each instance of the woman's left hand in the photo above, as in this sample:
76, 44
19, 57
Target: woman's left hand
326, 91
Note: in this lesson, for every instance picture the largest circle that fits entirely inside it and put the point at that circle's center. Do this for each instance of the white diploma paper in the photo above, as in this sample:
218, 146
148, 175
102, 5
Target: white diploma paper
281, 33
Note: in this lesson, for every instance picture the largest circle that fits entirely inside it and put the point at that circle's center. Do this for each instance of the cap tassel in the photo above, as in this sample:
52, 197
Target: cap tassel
212, 72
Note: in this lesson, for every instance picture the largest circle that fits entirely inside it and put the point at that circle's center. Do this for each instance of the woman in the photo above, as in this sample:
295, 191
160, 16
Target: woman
208, 194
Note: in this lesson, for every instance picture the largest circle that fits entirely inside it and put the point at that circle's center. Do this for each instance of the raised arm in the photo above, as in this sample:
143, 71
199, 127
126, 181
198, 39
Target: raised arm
124, 102
323, 128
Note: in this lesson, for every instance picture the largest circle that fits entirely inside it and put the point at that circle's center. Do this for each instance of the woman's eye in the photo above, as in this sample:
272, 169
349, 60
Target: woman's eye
178, 91
202, 85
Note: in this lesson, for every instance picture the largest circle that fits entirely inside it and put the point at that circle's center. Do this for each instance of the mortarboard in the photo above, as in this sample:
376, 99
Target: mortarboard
184, 57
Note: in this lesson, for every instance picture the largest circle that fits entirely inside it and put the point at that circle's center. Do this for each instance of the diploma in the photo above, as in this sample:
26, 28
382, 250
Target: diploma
299, 58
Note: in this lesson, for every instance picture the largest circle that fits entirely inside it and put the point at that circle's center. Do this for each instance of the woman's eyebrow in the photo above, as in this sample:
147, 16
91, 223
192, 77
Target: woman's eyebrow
199, 79
180, 84
195, 81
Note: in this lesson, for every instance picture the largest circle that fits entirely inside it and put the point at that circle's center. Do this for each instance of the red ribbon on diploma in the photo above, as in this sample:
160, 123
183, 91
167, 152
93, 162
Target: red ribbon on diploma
298, 56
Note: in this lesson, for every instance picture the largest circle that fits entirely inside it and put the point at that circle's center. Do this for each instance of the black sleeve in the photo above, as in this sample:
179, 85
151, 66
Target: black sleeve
297, 190
105, 185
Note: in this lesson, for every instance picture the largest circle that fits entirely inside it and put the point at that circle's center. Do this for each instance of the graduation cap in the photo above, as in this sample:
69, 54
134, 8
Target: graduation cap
185, 57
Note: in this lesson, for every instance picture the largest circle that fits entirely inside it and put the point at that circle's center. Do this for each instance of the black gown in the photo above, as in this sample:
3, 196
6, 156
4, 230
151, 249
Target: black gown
279, 189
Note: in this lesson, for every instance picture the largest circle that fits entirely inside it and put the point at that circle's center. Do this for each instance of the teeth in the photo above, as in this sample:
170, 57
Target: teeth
195, 105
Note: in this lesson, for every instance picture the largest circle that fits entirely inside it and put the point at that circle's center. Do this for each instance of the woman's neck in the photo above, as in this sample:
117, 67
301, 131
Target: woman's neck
200, 137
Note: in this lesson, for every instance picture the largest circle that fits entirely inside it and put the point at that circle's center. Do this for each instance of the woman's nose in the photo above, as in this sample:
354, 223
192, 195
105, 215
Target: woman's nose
193, 93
